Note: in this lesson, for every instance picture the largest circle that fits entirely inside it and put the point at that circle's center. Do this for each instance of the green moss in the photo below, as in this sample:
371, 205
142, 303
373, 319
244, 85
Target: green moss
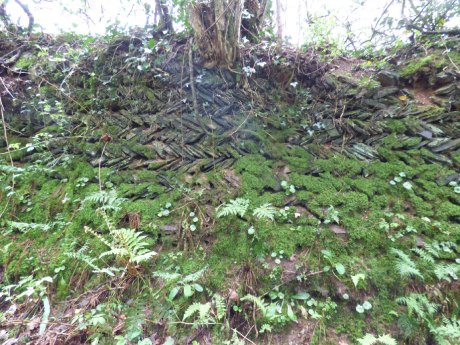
285, 237
367, 186
448, 211
354, 201
444, 59
415, 65
395, 126
257, 173
340, 166
25, 62
313, 184
298, 160
421, 208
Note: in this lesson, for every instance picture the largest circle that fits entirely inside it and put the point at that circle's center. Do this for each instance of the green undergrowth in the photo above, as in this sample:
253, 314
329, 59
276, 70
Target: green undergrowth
292, 261
291, 237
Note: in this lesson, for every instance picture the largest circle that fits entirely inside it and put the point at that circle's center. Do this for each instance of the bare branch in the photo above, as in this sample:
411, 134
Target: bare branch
29, 14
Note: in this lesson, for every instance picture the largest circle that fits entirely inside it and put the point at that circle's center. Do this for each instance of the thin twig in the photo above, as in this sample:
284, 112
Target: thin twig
5, 136
192, 82
100, 163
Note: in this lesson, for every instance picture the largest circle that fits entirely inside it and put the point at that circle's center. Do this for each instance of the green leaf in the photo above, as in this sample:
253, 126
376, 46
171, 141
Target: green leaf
291, 314
188, 291
356, 278
387, 340
301, 296
340, 269
368, 339
198, 287
360, 308
151, 43
173, 293
46, 314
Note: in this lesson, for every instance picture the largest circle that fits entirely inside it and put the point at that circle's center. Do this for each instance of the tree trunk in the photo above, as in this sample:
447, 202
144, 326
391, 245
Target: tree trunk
256, 12
165, 20
217, 26
279, 23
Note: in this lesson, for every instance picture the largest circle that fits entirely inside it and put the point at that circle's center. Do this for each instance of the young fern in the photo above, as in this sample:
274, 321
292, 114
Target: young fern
424, 255
220, 305
193, 277
236, 207
419, 305
404, 264
448, 333
437, 251
108, 200
258, 302
90, 261
370, 339
125, 244
446, 272
134, 322
203, 311
265, 211
129, 244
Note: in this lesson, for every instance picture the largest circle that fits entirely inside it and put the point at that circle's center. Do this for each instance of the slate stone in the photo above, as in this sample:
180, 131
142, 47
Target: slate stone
426, 134
388, 78
337, 229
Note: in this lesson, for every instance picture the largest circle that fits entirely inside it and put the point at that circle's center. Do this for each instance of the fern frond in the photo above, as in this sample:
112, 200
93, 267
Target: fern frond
258, 302
419, 305
108, 200
24, 227
446, 272
424, 255
130, 243
81, 255
126, 243
201, 309
167, 277
266, 211
370, 339
221, 306
234, 207
193, 277
387, 339
449, 329
433, 248
134, 323
404, 264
